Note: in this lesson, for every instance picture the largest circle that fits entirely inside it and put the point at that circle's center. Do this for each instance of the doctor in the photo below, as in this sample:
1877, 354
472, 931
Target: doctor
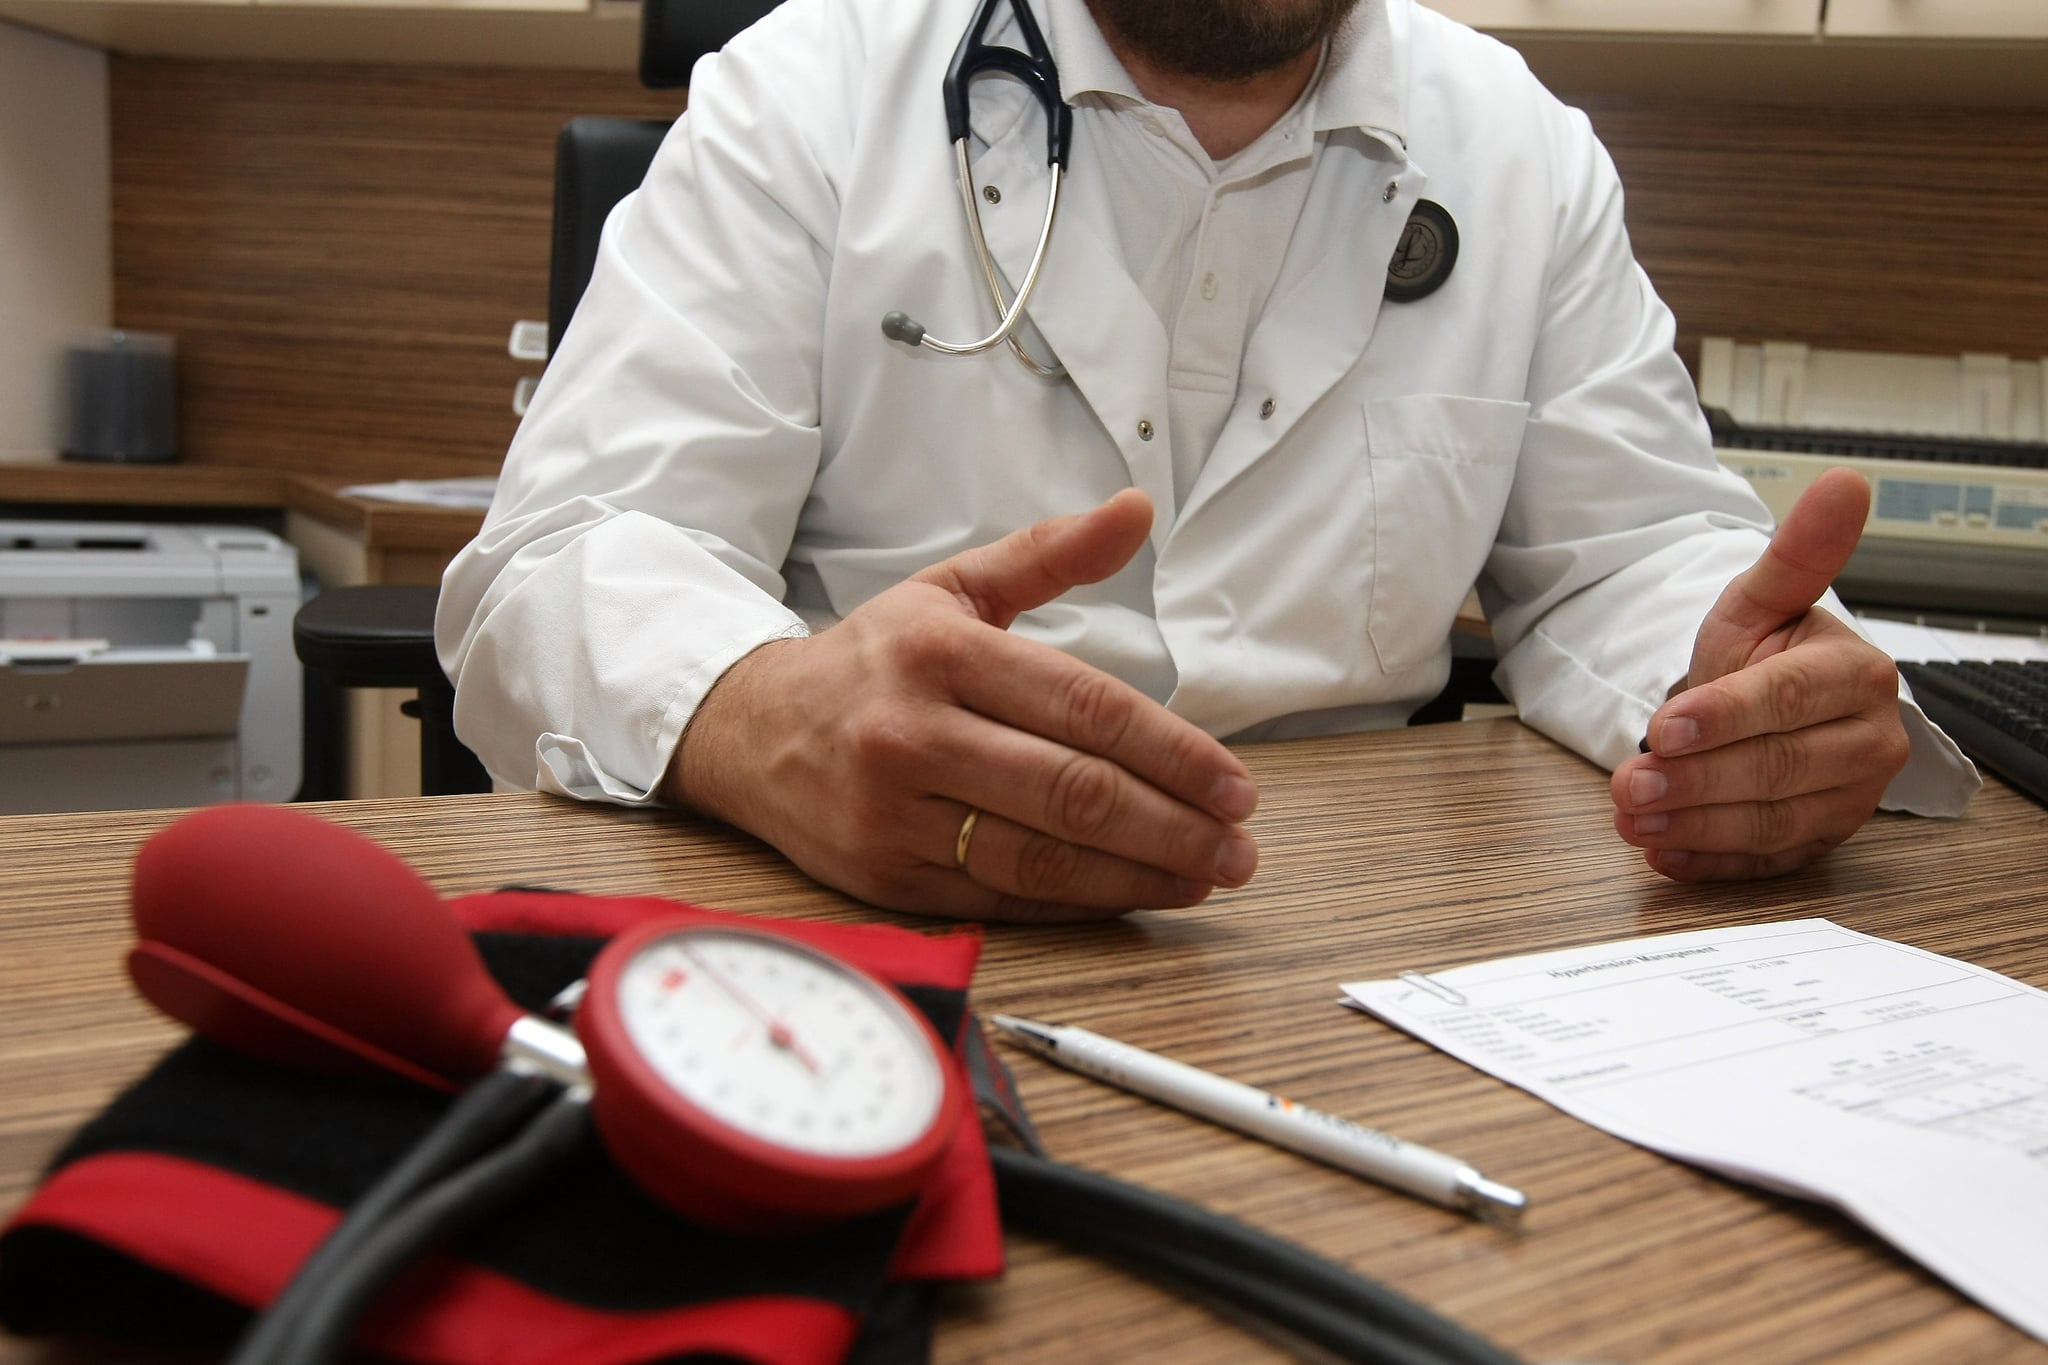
962, 634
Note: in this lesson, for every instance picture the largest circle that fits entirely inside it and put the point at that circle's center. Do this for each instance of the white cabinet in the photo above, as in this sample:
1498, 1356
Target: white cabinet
1937, 19
1719, 17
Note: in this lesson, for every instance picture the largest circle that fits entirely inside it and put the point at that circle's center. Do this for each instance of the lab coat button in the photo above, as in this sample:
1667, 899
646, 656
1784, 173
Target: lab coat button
1266, 409
1393, 188
1209, 285
995, 196
1144, 430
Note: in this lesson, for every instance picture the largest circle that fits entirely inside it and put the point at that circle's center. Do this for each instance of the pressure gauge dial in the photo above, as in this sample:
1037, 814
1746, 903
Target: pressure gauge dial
760, 1084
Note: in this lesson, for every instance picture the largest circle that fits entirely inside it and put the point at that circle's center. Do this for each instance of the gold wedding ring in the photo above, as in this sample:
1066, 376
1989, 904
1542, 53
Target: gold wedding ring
965, 837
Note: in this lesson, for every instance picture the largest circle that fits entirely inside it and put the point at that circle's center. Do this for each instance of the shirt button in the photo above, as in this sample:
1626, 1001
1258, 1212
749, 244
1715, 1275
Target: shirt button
1266, 409
1393, 188
1144, 431
1209, 285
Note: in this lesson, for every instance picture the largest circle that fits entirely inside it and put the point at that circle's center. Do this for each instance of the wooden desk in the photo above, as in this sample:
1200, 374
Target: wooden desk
1419, 848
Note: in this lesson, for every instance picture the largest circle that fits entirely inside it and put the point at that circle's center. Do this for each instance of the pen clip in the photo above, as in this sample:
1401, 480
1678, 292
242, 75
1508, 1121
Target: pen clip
1424, 982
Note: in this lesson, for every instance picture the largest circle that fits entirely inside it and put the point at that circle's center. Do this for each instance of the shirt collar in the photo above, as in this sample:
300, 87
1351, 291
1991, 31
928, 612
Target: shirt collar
1363, 85
1086, 64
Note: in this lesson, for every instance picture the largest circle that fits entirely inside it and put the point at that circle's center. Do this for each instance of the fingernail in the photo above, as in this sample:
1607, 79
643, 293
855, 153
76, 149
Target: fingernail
1234, 798
1647, 786
1679, 734
1237, 859
1191, 892
1655, 823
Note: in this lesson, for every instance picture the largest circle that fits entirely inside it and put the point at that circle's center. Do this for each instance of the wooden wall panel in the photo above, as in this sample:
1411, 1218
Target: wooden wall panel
1918, 230
341, 250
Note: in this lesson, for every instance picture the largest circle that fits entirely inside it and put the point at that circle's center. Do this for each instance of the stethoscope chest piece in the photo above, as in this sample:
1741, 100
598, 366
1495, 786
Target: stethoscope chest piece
1424, 256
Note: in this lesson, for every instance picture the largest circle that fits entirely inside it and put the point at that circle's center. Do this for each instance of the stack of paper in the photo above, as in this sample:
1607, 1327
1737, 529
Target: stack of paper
1912, 642
469, 492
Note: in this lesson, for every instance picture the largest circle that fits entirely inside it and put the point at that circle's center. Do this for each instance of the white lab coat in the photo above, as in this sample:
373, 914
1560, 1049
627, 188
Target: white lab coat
726, 446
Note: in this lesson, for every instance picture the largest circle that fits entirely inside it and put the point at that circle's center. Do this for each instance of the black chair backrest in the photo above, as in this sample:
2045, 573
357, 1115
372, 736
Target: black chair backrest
675, 33
598, 161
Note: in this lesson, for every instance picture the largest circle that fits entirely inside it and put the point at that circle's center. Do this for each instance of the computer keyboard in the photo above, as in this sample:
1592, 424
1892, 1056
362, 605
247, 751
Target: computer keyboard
1929, 447
1997, 713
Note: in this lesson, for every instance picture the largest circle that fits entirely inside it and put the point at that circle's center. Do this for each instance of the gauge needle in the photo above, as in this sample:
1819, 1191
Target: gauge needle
779, 1033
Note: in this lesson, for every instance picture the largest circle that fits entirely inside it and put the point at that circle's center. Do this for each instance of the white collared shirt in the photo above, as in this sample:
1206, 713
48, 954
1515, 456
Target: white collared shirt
1203, 239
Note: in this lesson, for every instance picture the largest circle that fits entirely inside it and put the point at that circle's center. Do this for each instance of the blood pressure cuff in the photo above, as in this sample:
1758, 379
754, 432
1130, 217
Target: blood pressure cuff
194, 1196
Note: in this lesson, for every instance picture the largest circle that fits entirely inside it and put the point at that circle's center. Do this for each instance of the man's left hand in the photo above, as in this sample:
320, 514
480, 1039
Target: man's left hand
1786, 730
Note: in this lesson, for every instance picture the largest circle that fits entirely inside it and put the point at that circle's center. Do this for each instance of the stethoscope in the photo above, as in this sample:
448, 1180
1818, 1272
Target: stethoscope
1036, 69
1422, 260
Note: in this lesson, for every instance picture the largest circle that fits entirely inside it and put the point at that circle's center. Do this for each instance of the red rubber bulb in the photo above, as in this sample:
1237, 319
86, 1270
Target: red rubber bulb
293, 939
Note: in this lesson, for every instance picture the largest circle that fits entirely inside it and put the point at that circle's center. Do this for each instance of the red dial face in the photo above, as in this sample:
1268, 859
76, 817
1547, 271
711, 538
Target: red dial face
759, 1083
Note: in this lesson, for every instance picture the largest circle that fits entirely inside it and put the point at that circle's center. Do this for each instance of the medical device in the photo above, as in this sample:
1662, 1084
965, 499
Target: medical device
743, 1076
787, 1085
749, 1081
1036, 69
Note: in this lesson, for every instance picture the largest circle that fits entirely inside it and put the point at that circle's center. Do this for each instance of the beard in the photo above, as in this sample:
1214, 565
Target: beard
1221, 40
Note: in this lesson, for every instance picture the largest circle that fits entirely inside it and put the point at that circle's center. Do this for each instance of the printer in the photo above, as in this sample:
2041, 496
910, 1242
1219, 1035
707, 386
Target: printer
1955, 449
145, 666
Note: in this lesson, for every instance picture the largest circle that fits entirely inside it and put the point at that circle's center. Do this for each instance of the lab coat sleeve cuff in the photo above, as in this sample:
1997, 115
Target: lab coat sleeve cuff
1554, 692
1937, 779
565, 765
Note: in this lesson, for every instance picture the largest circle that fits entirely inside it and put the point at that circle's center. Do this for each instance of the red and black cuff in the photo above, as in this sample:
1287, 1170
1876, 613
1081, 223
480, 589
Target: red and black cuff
191, 1199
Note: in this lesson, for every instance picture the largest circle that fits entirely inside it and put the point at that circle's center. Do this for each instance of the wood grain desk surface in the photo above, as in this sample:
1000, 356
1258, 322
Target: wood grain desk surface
1421, 848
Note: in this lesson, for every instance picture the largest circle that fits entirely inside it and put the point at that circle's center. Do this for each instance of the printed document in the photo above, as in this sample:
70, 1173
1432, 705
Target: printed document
1908, 1090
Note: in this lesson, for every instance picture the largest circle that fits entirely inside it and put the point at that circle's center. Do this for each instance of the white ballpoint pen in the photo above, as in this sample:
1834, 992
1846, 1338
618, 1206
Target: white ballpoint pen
1348, 1146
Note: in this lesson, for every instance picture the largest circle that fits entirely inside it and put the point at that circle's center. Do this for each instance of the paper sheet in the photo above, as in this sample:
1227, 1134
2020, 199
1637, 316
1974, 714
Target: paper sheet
468, 492
1907, 1089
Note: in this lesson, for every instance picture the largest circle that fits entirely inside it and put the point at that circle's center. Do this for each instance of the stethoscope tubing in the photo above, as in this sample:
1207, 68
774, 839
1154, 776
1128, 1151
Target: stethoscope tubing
1012, 314
487, 1114
1229, 1262
437, 1214
510, 1128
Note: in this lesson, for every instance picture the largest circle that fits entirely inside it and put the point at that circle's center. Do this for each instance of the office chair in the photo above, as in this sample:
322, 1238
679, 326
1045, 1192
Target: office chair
1471, 680
675, 33
382, 635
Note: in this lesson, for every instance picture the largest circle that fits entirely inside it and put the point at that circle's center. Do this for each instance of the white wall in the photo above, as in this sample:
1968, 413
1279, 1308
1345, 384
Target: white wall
56, 271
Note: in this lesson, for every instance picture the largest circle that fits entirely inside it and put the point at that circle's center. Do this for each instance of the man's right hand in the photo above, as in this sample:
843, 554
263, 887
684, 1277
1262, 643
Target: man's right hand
860, 751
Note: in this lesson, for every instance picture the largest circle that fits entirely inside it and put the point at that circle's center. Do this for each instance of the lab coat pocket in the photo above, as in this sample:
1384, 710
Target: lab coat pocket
1441, 467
